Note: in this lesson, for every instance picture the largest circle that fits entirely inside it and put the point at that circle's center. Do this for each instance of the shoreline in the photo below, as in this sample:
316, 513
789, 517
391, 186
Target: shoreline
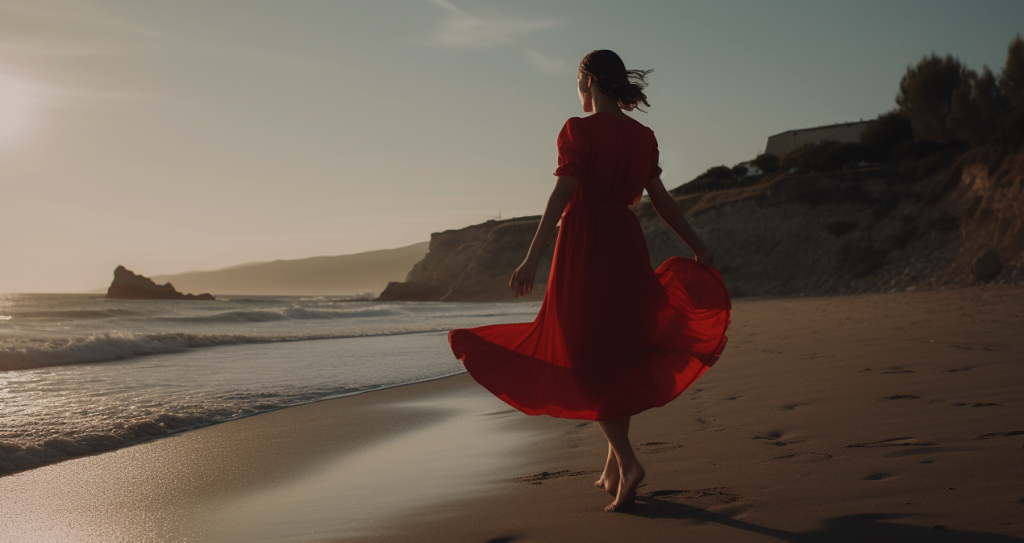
197, 485
855, 418
232, 419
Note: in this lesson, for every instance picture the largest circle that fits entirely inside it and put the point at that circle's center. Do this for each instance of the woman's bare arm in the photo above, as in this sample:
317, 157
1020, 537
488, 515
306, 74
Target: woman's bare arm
669, 212
522, 279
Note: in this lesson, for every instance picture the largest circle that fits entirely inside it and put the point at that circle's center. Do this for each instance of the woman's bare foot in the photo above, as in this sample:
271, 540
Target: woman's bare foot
628, 483
630, 472
609, 481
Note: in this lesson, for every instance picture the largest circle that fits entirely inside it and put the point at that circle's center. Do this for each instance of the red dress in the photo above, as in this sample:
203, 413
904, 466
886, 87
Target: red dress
612, 337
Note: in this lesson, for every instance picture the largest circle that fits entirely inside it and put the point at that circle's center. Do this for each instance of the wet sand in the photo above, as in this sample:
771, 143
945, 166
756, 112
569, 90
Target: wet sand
895, 417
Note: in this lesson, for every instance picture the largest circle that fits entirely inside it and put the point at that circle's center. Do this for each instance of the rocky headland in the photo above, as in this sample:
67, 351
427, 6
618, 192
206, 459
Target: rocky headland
470, 264
875, 229
132, 286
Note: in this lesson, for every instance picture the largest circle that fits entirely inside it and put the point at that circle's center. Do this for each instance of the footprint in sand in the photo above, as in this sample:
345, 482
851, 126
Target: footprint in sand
538, 478
654, 447
719, 493
1001, 434
772, 438
716, 500
892, 442
805, 457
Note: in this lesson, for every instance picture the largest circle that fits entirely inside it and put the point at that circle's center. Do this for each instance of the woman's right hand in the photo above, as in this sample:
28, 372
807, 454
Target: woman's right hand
522, 279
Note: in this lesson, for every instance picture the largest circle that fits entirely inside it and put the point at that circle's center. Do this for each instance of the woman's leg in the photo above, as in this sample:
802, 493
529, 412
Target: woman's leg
609, 481
631, 473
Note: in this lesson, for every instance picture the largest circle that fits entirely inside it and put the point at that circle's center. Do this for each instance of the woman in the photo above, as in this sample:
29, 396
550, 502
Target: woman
612, 337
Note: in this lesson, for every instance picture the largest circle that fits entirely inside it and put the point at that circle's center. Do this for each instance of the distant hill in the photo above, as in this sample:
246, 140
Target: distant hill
322, 275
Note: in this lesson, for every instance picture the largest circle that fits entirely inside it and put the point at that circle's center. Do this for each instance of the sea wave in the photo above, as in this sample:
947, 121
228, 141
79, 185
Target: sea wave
44, 446
106, 347
65, 314
32, 451
16, 456
289, 313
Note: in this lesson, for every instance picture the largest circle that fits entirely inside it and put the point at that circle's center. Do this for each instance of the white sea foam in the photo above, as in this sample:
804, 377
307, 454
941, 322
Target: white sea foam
290, 313
109, 346
170, 366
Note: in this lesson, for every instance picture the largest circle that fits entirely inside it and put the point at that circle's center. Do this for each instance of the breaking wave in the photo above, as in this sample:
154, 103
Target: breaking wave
291, 313
105, 347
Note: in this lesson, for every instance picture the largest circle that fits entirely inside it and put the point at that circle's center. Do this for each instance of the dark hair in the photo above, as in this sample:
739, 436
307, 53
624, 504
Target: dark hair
611, 76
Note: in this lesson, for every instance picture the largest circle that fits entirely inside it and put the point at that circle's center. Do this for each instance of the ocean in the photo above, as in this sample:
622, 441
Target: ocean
81, 374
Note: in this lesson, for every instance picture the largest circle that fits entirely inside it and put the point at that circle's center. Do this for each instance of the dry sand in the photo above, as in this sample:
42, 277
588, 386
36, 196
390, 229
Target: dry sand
892, 417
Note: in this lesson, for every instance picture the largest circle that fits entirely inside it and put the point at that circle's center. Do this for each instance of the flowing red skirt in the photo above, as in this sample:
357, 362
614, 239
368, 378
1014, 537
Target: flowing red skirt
612, 337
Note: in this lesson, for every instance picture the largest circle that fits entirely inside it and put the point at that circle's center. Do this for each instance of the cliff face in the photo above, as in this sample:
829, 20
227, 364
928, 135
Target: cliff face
862, 231
866, 230
989, 197
132, 286
473, 264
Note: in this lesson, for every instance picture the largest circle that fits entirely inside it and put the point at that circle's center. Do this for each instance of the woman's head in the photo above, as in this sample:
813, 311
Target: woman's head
608, 73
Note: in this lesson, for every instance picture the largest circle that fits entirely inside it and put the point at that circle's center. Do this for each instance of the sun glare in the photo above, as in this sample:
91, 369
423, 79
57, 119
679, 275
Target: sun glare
17, 100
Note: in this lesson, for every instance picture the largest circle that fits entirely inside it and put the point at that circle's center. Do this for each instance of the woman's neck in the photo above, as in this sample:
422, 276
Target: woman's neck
606, 104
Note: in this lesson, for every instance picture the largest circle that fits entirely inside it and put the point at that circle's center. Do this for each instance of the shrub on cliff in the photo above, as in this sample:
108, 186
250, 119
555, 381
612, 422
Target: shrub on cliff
925, 96
976, 107
884, 133
950, 104
766, 162
825, 156
1010, 129
1011, 81
715, 178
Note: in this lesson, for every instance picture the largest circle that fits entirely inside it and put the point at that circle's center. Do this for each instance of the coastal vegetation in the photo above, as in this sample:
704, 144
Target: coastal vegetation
943, 110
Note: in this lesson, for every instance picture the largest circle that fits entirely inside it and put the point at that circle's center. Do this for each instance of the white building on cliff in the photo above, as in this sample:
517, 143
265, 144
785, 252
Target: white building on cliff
784, 142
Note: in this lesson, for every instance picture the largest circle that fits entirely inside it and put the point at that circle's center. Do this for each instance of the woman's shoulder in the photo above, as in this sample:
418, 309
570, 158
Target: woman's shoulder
598, 123
575, 128
644, 129
575, 122
641, 126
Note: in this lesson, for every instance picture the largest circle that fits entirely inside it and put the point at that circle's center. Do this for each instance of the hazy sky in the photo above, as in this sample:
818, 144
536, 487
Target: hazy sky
178, 135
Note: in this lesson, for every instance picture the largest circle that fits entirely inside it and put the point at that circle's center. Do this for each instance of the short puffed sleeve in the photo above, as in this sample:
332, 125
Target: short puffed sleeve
573, 150
655, 157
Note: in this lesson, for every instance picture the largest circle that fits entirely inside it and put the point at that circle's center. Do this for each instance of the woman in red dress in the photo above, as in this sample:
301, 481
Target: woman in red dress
613, 337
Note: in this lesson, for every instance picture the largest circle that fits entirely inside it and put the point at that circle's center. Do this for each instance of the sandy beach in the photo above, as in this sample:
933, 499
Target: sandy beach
888, 417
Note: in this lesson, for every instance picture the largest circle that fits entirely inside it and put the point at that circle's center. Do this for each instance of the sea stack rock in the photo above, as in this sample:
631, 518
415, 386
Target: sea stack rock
132, 286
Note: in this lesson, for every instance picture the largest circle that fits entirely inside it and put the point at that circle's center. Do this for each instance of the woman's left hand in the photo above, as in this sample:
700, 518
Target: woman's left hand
522, 279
